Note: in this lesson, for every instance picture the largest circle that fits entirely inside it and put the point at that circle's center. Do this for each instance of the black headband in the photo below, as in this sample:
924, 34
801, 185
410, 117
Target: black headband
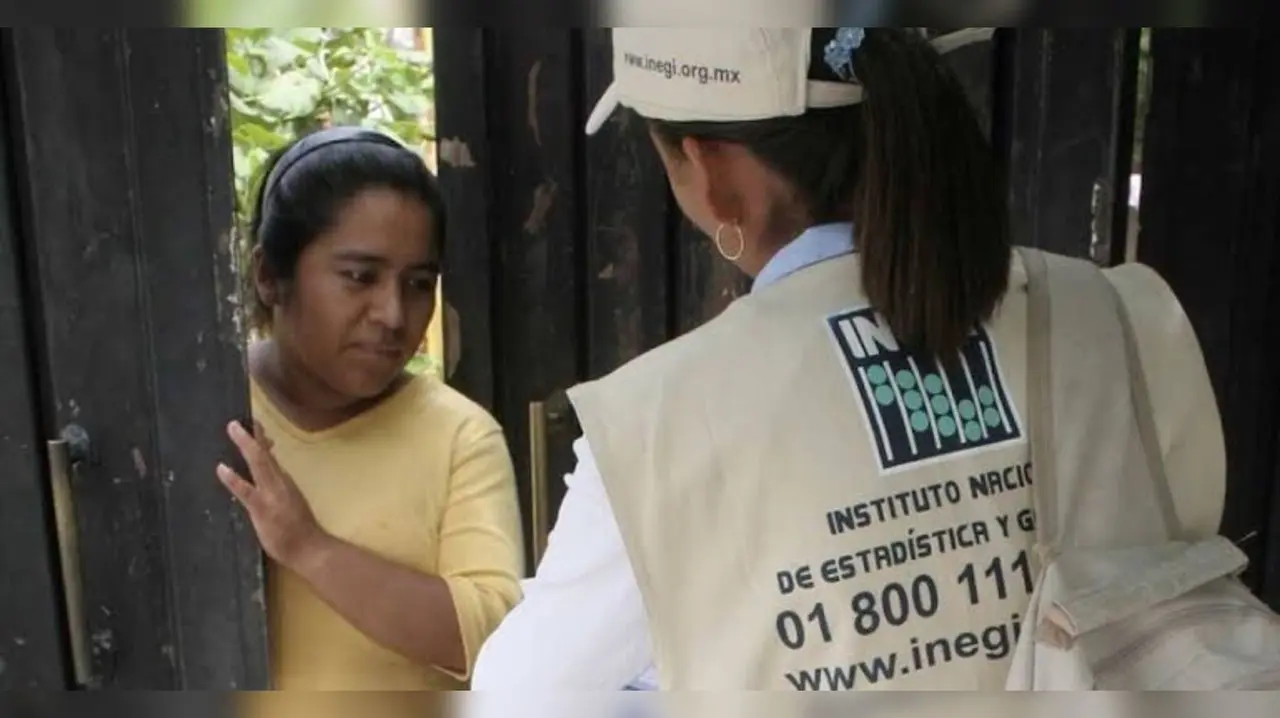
319, 140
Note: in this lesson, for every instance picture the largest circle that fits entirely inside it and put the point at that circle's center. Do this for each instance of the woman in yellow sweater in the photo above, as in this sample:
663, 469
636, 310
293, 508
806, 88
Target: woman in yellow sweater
386, 502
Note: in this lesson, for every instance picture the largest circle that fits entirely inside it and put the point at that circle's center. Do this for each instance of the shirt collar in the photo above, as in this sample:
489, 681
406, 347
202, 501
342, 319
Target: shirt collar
814, 245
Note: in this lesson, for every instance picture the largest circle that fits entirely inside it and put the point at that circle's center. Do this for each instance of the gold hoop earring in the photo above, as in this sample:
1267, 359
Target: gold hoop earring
742, 243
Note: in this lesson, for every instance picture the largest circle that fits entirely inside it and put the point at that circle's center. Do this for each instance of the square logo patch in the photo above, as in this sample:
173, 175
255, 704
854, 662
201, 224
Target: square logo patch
916, 408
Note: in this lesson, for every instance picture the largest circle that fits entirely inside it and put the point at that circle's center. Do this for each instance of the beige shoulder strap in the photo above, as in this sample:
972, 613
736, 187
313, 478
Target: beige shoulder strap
1051, 514
1142, 411
1040, 398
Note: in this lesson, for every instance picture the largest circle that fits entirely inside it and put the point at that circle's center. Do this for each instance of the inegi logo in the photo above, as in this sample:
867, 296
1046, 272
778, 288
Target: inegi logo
916, 407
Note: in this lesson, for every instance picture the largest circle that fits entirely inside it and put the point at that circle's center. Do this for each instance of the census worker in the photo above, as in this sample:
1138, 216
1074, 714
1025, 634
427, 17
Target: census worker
828, 486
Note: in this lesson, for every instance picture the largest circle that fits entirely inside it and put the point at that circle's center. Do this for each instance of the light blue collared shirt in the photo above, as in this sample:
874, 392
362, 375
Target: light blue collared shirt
814, 245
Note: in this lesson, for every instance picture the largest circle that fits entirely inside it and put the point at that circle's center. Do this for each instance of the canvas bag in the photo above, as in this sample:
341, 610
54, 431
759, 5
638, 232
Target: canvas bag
1169, 614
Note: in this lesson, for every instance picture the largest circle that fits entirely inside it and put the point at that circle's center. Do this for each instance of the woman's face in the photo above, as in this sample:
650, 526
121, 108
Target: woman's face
362, 295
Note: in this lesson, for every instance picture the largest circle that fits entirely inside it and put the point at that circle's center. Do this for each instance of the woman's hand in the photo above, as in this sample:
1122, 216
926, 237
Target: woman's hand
286, 527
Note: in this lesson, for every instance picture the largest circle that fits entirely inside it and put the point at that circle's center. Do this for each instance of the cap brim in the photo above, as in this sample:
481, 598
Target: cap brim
604, 109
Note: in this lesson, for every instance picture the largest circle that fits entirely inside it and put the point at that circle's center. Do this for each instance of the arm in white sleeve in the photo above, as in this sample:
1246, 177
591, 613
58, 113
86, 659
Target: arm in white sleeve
581, 625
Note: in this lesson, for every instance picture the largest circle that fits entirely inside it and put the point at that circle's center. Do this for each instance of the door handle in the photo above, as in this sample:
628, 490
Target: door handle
64, 453
542, 414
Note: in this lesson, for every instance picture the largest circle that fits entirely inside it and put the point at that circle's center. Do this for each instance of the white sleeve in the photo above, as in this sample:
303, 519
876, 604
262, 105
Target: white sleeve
581, 625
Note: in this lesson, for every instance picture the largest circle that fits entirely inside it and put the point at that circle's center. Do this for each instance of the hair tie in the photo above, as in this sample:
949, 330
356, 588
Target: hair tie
839, 52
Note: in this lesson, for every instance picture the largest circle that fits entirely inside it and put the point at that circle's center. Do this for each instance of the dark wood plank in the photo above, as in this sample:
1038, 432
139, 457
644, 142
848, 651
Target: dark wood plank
125, 160
1269, 570
1064, 111
535, 116
466, 166
31, 650
184, 228
1210, 226
628, 263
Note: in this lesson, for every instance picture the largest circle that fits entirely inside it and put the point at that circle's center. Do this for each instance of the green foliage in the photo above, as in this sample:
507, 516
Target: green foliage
424, 363
287, 82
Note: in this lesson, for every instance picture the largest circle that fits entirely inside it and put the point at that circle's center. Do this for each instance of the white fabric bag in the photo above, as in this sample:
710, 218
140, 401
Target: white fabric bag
1123, 599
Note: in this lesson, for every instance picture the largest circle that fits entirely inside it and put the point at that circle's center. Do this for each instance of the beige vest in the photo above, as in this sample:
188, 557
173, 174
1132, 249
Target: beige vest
805, 506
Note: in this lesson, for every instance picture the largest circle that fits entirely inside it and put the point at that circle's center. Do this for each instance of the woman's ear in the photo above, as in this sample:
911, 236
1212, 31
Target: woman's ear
265, 284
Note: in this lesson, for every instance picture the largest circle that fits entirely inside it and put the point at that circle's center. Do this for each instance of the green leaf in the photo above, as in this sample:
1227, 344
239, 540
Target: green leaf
316, 67
409, 103
259, 137
424, 364
347, 116
239, 105
280, 53
237, 62
308, 39
292, 94
410, 131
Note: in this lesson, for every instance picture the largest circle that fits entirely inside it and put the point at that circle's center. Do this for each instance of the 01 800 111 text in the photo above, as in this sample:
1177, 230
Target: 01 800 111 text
896, 604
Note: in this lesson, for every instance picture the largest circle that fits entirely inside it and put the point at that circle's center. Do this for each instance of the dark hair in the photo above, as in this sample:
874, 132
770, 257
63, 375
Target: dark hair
913, 168
309, 181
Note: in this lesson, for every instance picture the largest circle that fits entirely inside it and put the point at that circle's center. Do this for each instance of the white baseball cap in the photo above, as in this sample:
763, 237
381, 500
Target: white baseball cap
685, 74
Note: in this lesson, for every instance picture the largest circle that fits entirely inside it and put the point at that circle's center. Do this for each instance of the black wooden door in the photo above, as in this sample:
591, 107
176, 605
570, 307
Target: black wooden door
568, 255
122, 186
1210, 219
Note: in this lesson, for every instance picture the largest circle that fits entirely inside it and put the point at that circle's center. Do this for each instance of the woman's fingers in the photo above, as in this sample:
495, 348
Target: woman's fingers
258, 459
239, 488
